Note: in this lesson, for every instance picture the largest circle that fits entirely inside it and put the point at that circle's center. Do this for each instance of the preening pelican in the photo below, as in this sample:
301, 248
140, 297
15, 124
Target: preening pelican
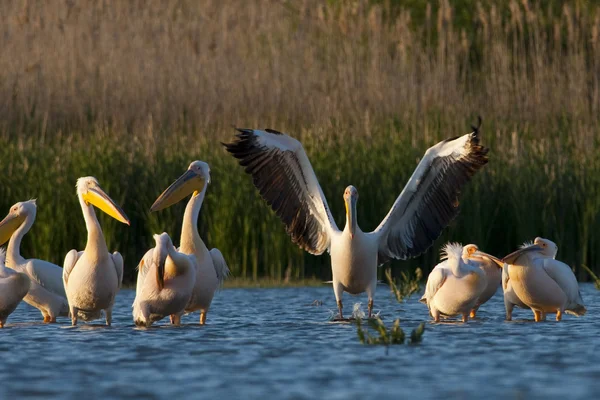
455, 284
492, 267
542, 283
285, 178
165, 282
46, 292
13, 287
510, 297
92, 277
211, 268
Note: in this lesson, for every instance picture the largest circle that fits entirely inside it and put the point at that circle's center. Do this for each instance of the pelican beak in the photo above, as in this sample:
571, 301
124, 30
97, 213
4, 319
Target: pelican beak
350, 202
509, 259
98, 198
189, 182
496, 260
8, 226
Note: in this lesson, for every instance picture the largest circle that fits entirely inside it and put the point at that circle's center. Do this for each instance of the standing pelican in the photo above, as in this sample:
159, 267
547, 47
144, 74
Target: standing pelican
492, 267
92, 277
455, 285
285, 178
46, 292
211, 268
542, 283
510, 297
165, 282
13, 287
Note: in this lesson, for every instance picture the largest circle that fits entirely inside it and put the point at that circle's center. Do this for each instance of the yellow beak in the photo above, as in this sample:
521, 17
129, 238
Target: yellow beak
8, 226
496, 260
98, 198
186, 184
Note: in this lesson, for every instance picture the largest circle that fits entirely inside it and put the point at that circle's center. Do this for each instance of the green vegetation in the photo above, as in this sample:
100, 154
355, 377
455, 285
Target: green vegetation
132, 92
395, 335
594, 277
407, 284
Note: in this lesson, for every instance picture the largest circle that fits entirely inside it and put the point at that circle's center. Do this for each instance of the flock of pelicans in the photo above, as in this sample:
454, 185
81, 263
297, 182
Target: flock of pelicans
174, 281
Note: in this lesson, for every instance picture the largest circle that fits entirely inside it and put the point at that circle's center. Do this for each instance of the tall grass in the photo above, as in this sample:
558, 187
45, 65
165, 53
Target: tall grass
132, 91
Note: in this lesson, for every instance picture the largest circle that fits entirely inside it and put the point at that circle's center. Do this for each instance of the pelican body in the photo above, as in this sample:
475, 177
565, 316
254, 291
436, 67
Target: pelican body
46, 291
542, 283
492, 267
92, 277
13, 288
510, 297
454, 286
166, 279
211, 268
283, 175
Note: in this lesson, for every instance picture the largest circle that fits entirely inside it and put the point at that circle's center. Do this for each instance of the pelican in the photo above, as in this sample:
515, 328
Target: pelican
492, 267
510, 297
92, 277
542, 283
455, 285
46, 292
211, 268
285, 178
13, 288
165, 282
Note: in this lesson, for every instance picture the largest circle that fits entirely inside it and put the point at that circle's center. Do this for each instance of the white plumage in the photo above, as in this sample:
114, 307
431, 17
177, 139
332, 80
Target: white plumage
284, 177
13, 288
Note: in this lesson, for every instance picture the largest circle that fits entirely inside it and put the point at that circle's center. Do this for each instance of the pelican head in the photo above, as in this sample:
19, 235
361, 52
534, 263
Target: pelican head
161, 251
15, 217
544, 247
350, 199
472, 252
90, 192
193, 181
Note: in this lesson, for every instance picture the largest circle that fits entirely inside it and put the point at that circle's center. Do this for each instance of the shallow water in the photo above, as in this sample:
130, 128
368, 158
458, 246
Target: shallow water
273, 343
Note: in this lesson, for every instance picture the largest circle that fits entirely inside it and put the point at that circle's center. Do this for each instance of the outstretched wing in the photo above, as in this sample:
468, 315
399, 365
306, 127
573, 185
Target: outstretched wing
285, 179
118, 260
69, 263
429, 200
220, 265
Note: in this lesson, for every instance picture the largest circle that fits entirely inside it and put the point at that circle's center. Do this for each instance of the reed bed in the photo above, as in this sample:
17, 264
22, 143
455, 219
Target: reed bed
133, 91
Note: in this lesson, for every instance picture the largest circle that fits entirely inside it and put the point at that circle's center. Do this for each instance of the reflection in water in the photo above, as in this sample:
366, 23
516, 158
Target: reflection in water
275, 343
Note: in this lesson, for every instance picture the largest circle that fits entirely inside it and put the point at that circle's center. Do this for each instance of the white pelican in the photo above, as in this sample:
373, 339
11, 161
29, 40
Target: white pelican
165, 282
92, 277
492, 267
510, 297
211, 268
542, 283
13, 287
285, 178
46, 292
455, 285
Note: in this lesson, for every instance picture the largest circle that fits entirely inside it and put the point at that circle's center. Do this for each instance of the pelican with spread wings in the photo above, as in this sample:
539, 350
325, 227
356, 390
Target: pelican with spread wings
285, 178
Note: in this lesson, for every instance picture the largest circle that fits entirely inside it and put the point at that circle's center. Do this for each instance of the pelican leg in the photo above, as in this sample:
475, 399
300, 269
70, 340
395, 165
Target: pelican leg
559, 315
47, 319
108, 313
509, 310
473, 313
176, 319
73, 311
465, 318
537, 315
172, 319
2, 322
370, 307
203, 317
338, 290
435, 314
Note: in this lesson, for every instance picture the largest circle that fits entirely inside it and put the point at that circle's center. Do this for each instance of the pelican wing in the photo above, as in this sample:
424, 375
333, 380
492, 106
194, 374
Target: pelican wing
47, 275
505, 277
220, 265
435, 280
565, 278
69, 263
285, 179
118, 260
429, 200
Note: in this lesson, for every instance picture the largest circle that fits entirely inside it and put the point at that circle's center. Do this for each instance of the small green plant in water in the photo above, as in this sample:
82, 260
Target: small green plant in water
593, 275
407, 285
384, 336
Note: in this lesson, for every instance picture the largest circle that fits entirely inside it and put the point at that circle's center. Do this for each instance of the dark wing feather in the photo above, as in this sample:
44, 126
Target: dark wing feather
286, 181
429, 200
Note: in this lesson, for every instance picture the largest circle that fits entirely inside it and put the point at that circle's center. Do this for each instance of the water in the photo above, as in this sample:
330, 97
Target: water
272, 343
